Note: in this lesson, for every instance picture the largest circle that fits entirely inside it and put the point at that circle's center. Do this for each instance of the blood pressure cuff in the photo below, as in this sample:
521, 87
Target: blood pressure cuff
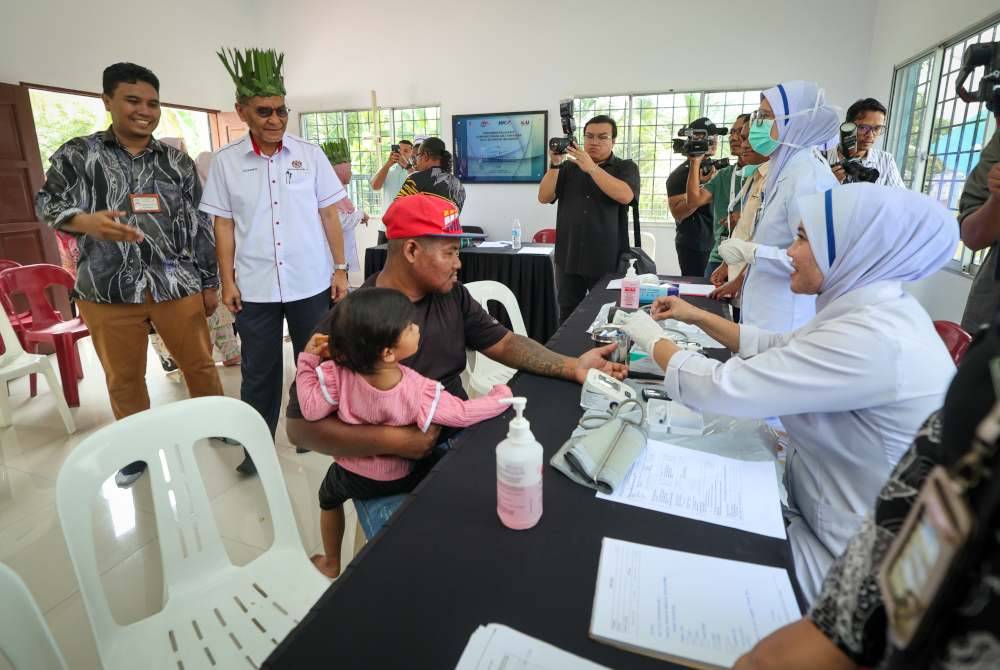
600, 455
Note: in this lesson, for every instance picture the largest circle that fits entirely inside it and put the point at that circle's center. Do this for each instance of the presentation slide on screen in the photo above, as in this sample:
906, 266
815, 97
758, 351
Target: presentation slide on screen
500, 148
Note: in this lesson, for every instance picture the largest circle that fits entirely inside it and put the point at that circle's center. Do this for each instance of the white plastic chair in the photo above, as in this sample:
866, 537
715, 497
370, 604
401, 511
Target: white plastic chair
649, 244
483, 372
25, 639
15, 363
215, 615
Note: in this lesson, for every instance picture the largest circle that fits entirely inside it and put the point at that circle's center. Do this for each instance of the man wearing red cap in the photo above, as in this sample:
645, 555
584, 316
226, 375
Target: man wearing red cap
423, 263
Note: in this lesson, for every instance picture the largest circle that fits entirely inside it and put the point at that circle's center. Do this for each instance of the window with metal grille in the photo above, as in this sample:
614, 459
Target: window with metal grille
935, 136
648, 125
368, 156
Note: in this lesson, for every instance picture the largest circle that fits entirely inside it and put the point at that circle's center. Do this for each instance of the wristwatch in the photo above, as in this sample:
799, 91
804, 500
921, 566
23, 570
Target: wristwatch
340, 266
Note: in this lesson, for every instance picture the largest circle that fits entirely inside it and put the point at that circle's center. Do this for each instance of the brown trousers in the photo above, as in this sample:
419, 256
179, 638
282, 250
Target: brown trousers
121, 338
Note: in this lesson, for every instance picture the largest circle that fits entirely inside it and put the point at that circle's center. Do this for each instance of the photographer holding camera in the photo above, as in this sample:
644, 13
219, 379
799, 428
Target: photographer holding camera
865, 123
693, 239
594, 189
391, 176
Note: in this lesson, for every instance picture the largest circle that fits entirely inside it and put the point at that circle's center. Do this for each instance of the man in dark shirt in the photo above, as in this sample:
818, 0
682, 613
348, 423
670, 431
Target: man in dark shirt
693, 236
979, 218
423, 263
146, 254
593, 189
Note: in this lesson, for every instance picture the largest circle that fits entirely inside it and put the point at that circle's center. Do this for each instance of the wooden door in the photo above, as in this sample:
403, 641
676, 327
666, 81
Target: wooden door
227, 127
23, 237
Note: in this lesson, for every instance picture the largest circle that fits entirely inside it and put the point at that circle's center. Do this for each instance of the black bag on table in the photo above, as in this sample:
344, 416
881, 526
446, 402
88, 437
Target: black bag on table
643, 263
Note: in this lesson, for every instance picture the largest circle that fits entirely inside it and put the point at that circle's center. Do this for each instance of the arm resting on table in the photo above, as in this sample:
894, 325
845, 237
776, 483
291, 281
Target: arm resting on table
797, 645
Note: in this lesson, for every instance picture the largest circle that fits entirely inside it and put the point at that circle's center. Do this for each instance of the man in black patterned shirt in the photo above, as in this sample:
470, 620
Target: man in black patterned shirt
147, 255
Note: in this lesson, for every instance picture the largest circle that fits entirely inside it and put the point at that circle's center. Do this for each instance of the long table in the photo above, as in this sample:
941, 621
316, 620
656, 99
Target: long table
531, 277
444, 564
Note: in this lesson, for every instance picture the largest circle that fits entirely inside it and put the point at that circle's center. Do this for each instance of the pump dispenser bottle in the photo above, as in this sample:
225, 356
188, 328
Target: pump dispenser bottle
519, 472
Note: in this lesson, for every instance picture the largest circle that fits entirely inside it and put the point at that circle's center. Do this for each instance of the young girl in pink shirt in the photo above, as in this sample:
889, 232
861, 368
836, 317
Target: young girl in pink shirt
355, 372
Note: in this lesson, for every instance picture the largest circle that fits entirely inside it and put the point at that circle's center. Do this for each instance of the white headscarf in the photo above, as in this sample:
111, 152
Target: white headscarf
804, 120
863, 233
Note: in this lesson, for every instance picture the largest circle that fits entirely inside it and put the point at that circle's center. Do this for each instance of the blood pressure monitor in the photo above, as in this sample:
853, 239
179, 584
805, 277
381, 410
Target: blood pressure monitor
603, 392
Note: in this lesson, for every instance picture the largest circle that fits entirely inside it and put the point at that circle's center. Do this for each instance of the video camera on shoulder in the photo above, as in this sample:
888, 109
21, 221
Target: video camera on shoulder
854, 170
559, 145
985, 55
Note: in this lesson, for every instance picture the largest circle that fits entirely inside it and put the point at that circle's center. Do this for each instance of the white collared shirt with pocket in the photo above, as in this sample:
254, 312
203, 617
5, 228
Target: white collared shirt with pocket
282, 253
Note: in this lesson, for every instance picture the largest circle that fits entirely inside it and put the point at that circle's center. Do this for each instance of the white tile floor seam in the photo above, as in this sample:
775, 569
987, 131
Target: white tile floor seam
126, 537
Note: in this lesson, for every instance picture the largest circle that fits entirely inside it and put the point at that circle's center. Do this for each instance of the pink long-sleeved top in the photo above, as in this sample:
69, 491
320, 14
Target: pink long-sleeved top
324, 387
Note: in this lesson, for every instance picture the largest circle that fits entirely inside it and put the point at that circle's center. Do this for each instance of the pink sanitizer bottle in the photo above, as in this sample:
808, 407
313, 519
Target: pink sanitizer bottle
519, 472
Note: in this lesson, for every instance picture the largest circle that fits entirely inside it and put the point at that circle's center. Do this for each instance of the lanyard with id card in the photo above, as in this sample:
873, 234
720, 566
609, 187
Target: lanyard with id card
923, 572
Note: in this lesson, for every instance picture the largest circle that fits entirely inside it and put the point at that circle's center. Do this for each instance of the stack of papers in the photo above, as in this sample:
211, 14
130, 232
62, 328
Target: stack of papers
546, 250
496, 647
696, 610
702, 290
706, 487
494, 245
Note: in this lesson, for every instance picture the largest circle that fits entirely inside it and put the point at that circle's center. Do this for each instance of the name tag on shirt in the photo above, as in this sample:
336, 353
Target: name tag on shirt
145, 203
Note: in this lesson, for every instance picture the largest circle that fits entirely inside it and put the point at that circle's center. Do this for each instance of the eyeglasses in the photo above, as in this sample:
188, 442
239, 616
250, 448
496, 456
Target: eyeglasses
266, 112
590, 137
759, 116
870, 130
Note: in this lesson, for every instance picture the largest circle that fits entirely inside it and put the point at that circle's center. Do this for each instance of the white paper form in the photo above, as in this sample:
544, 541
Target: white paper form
537, 251
698, 610
494, 245
703, 486
497, 647
702, 290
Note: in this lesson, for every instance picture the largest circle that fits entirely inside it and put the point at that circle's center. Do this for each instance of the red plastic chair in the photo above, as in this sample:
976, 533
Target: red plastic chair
47, 325
955, 339
19, 320
545, 236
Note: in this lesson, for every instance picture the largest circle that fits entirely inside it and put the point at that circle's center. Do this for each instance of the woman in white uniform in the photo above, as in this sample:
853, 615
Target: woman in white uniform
855, 383
790, 127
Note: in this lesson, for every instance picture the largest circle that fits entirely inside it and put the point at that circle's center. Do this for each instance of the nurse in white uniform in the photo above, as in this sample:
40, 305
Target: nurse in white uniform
855, 383
792, 125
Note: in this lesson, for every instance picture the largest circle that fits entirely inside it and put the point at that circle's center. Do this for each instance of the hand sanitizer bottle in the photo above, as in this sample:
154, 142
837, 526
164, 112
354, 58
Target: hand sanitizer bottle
519, 472
515, 234
630, 288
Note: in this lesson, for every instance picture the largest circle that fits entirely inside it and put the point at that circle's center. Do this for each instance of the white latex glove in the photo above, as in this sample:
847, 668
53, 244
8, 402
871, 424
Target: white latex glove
643, 330
735, 251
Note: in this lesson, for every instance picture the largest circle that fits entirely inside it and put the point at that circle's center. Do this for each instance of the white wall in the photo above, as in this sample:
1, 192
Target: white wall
903, 29
518, 55
68, 44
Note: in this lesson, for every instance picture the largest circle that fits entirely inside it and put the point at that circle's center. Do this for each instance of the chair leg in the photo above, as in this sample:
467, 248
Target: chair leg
5, 417
33, 384
61, 405
77, 362
64, 354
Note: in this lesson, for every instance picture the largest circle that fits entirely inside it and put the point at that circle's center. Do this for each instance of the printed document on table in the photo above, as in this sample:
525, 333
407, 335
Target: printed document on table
706, 487
615, 284
701, 611
497, 647
702, 290
494, 245
537, 251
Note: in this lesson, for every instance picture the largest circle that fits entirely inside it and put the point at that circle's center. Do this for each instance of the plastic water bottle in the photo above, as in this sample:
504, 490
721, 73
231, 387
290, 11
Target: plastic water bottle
515, 234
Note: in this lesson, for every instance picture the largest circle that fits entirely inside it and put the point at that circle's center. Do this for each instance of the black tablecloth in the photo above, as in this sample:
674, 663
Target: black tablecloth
444, 564
530, 277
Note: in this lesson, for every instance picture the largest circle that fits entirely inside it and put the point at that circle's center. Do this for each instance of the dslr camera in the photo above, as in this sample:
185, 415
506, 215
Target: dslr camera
559, 145
854, 170
985, 55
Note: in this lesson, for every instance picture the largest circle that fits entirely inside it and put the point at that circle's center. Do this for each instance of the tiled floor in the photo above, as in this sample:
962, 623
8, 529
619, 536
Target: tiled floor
31, 539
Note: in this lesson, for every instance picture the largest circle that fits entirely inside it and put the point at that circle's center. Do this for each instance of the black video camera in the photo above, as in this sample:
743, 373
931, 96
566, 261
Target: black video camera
985, 55
713, 164
696, 141
559, 145
854, 170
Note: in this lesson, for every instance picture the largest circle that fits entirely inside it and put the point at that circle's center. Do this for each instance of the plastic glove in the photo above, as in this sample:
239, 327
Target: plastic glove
643, 330
735, 251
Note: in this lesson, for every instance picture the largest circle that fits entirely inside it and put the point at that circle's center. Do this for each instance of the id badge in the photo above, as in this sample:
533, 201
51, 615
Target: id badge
145, 203
914, 569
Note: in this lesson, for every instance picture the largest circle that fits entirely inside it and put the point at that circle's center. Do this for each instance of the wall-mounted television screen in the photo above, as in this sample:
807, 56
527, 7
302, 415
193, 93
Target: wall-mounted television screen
507, 148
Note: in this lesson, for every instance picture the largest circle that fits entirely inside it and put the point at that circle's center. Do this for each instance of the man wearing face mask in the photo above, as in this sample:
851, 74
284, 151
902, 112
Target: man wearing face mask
279, 239
693, 218
868, 115
594, 188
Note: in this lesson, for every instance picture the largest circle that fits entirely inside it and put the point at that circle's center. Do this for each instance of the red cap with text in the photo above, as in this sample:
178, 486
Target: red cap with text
421, 215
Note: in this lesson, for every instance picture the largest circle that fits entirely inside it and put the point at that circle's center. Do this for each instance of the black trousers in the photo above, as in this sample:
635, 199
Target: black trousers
262, 363
693, 261
572, 290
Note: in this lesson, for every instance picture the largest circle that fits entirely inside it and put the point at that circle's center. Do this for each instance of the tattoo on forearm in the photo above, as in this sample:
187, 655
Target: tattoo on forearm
527, 355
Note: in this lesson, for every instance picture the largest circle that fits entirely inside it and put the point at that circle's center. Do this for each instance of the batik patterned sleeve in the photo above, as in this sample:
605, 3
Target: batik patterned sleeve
65, 193
203, 229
